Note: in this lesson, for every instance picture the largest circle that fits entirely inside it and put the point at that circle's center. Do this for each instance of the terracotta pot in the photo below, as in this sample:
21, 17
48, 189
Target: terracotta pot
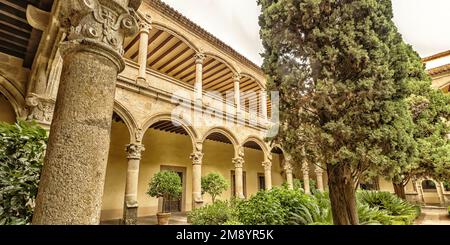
163, 218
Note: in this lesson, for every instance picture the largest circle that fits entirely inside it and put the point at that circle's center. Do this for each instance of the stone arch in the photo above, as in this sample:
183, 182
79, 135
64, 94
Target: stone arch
259, 142
171, 31
128, 119
192, 133
13, 95
225, 132
245, 74
222, 60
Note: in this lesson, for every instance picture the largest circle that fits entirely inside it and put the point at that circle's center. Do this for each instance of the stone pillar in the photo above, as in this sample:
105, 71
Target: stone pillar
419, 190
267, 174
196, 157
440, 192
289, 178
198, 90
264, 104
319, 178
144, 30
238, 177
237, 93
72, 180
305, 170
131, 188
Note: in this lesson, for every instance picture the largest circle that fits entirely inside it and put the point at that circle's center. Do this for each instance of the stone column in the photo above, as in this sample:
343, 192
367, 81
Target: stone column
238, 177
440, 192
131, 188
319, 178
72, 180
237, 93
264, 104
419, 190
197, 199
198, 90
267, 174
144, 30
305, 170
289, 178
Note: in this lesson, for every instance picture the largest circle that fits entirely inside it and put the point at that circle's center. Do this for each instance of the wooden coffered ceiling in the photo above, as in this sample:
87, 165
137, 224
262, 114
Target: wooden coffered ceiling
17, 37
171, 56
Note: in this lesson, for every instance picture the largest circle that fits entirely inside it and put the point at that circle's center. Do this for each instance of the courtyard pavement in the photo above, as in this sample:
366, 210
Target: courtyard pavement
433, 216
175, 219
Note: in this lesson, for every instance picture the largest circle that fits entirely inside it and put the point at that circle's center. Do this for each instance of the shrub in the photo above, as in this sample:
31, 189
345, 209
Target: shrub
264, 208
217, 213
22, 147
398, 210
448, 209
165, 184
214, 184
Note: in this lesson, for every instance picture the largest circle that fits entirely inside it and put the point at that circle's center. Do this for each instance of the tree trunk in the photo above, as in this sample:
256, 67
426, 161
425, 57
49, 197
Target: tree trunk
342, 195
399, 190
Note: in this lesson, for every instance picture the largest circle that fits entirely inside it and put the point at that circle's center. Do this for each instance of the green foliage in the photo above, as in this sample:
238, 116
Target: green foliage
22, 148
218, 213
396, 209
448, 209
165, 184
264, 208
214, 184
343, 74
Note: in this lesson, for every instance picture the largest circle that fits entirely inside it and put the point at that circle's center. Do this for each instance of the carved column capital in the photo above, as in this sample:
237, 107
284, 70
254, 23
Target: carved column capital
288, 168
267, 165
40, 109
199, 58
305, 167
237, 77
134, 151
145, 23
98, 26
318, 170
238, 162
196, 158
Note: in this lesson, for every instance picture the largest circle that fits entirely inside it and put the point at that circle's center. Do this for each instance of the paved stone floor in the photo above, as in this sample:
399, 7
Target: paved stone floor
433, 216
175, 219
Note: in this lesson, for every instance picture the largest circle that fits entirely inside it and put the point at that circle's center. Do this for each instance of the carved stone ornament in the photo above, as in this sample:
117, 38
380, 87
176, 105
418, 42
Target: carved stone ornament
196, 158
134, 151
237, 77
238, 162
288, 168
100, 25
40, 109
199, 58
267, 165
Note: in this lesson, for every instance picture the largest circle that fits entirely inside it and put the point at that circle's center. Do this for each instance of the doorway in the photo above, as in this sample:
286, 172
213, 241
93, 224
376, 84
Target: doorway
175, 205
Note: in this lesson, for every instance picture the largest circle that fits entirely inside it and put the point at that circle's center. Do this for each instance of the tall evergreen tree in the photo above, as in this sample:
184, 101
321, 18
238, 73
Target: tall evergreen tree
339, 100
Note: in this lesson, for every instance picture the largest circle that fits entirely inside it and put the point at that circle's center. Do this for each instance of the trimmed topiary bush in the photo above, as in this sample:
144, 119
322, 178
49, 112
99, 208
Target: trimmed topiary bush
22, 147
165, 184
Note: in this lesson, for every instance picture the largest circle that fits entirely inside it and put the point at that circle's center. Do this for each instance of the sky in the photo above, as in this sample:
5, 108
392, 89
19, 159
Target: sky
423, 23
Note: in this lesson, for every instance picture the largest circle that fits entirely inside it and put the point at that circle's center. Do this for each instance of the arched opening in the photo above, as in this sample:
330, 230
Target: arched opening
430, 193
254, 156
278, 163
116, 171
168, 147
219, 151
251, 94
7, 113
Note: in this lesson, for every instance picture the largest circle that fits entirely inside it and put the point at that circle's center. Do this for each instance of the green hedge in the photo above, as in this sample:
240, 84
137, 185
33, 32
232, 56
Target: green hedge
22, 147
281, 206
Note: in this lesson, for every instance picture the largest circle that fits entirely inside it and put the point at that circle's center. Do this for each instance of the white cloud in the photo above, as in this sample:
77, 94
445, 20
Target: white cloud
423, 23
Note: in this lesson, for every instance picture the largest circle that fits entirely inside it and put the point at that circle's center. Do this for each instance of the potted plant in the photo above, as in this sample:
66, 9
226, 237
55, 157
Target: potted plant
165, 185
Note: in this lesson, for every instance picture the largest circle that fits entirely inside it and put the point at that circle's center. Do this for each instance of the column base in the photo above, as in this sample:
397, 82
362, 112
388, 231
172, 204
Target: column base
198, 204
141, 81
130, 216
